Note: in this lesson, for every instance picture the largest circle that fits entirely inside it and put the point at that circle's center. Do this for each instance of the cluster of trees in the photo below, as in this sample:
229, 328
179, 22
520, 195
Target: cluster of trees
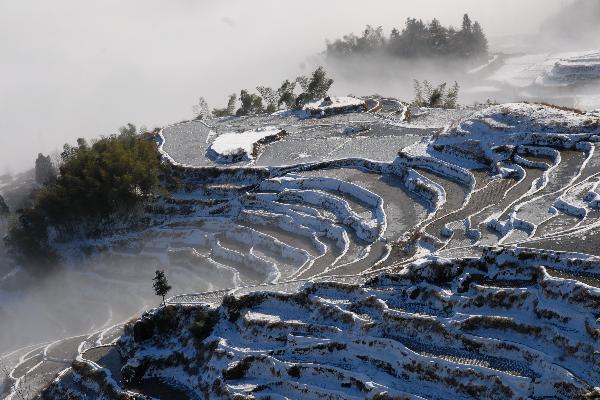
417, 39
441, 96
269, 100
95, 181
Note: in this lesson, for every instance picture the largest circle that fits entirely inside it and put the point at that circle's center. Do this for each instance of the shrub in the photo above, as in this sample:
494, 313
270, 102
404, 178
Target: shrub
435, 97
110, 177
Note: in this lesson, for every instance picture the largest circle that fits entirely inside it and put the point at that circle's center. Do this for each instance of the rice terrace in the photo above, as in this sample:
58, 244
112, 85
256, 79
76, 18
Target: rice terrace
306, 244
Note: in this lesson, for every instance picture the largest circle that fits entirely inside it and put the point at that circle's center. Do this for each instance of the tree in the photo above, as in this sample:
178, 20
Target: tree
438, 37
286, 94
129, 129
319, 84
231, 104
480, 42
229, 110
314, 88
201, 109
417, 39
451, 99
426, 95
45, 172
467, 25
371, 40
251, 103
161, 285
303, 81
4, 210
270, 97
419, 99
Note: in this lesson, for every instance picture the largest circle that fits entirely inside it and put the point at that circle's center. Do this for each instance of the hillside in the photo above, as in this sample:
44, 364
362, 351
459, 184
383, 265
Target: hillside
382, 251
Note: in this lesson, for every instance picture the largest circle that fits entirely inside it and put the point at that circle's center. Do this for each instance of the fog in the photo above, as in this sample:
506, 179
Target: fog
81, 69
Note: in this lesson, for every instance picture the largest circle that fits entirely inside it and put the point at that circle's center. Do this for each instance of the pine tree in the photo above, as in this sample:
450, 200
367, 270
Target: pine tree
201, 109
451, 99
438, 37
4, 210
319, 84
251, 103
231, 104
419, 100
270, 97
467, 25
480, 42
45, 172
286, 94
303, 82
161, 285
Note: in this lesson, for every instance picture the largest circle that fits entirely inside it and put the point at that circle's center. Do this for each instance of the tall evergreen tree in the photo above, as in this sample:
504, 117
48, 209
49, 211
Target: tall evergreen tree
45, 172
286, 94
270, 97
467, 25
251, 104
201, 109
161, 285
231, 104
319, 84
480, 42
4, 210
417, 39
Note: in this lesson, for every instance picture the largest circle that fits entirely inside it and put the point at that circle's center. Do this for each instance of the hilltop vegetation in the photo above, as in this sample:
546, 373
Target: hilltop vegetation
269, 100
109, 177
416, 40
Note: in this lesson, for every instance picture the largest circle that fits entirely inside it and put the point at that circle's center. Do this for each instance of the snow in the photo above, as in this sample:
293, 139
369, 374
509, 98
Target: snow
280, 223
335, 103
489, 326
571, 70
232, 146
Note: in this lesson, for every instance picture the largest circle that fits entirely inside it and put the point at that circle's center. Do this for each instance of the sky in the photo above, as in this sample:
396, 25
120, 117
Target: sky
77, 68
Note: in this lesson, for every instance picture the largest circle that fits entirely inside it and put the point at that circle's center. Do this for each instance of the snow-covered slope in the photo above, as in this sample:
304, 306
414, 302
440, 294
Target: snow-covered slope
572, 70
493, 327
474, 323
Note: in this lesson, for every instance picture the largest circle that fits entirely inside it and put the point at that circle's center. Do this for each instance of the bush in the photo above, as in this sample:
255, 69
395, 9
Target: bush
110, 177
435, 97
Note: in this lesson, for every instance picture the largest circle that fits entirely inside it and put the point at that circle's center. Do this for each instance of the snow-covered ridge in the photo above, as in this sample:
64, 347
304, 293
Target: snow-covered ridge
498, 325
572, 70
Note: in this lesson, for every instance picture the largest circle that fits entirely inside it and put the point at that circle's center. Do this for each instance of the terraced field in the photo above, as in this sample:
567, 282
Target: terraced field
348, 227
